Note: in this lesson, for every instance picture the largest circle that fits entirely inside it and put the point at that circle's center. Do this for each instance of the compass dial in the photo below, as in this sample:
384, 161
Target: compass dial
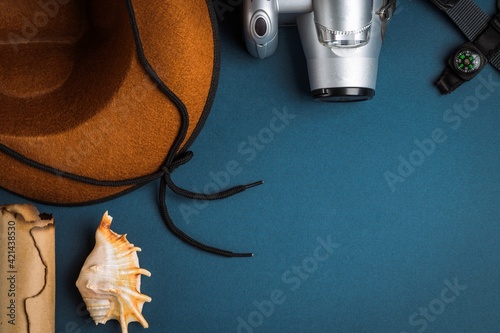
467, 61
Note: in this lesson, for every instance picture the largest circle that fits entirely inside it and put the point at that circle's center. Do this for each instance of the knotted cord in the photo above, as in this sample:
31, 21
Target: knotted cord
173, 160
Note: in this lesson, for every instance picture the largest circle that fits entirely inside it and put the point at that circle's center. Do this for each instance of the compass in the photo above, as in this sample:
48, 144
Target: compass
467, 61
462, 66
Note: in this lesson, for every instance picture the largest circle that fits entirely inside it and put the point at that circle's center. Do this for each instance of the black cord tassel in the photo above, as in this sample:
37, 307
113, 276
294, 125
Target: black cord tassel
175, 160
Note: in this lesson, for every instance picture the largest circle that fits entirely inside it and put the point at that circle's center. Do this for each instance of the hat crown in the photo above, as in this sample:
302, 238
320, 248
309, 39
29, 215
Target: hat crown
86, 107
55, 54
36, 21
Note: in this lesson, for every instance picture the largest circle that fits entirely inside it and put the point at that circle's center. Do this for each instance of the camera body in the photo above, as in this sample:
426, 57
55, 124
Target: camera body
341, 40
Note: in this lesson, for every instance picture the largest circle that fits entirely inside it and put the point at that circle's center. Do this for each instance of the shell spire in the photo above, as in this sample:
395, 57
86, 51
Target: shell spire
110, 279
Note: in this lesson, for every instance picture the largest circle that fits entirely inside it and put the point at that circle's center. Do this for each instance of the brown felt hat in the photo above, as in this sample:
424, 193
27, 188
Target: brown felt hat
82, 118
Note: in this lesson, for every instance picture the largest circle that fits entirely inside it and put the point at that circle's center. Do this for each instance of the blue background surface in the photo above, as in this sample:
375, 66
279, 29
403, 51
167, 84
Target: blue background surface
431, 243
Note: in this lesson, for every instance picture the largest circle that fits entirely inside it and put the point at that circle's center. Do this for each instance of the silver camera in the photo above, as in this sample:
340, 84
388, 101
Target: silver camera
341, 40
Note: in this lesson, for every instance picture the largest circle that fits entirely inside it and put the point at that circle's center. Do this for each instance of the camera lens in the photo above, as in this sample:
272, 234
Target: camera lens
343, 23
343, 94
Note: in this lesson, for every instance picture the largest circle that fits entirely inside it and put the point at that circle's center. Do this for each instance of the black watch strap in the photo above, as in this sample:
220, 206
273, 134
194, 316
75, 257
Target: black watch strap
483, 33
476, 25
489, 41
448, 81
462, 66
466, 14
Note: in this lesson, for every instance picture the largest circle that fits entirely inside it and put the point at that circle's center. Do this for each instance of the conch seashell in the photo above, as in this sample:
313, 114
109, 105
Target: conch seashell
110, 279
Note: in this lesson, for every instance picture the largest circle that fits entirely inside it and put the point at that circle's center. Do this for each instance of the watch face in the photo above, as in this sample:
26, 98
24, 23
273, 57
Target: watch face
467, 61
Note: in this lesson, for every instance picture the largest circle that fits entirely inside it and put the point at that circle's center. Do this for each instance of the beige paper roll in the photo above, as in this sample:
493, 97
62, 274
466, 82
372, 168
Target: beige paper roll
27, 270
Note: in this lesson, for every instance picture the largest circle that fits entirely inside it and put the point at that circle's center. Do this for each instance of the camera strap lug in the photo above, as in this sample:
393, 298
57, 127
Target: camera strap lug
386, 13
387, 10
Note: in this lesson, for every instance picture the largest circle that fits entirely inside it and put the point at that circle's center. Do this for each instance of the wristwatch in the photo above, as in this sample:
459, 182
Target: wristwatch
462, 66
483, 47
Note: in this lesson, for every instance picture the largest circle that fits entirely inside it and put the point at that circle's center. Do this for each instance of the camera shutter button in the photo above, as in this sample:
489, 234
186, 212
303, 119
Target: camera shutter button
260, 27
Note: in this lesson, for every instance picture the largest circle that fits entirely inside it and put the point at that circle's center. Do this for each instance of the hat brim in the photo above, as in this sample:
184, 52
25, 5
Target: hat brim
110, 122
